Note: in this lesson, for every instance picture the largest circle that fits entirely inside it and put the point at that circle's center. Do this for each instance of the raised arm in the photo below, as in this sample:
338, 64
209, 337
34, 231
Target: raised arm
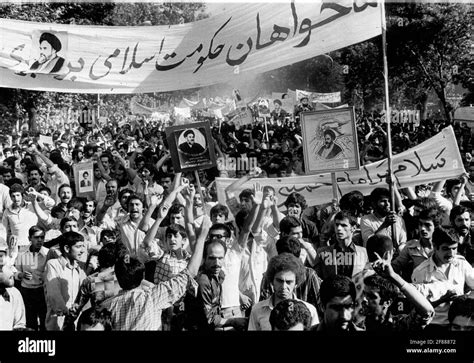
196, 258
188, 214
43, 157
410, 192
151, 233
460, 193
384, 268
42, 215
250, 220
163, 159
145, 222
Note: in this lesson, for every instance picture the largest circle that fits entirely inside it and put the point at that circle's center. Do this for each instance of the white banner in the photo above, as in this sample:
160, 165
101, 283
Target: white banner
435, 159
247, 39
319, 97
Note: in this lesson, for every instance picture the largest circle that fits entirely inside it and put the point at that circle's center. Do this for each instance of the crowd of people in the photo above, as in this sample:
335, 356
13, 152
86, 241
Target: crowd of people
153, 249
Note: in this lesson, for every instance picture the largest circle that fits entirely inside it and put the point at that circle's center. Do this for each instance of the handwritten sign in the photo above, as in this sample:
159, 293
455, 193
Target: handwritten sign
248, 39
243, 117
435, 159
46, 140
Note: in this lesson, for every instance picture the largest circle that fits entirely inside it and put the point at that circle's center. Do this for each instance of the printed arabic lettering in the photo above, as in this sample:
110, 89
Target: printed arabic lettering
167, 56
123, 71
295, 17
81, 62
358, 9
236, 62
159, 67
18, 58
106, 63
212, 54
136, 64
432, 167
307, 29
133, 63
341, 11
274, 37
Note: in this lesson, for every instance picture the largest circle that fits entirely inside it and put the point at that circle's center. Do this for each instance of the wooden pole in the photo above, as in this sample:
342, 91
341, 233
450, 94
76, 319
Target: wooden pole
335, 193
387, 118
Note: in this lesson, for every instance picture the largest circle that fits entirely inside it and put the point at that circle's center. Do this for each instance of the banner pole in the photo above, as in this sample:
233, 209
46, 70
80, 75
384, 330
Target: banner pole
387, 118
266, 129
335, 194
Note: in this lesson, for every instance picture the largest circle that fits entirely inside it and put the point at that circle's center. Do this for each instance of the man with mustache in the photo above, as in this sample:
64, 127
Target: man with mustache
418, 250
381, 220
285, 272
442, 277
330, 149
460, 218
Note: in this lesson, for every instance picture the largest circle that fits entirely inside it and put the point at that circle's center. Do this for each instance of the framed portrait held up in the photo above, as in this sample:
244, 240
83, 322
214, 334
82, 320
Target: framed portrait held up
191, 146
84, 179
329, 141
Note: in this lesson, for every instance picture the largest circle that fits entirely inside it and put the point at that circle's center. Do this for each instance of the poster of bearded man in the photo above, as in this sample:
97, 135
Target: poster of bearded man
330, 141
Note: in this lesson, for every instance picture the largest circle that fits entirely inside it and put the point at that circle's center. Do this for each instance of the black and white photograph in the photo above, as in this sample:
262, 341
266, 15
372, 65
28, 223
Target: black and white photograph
207, 174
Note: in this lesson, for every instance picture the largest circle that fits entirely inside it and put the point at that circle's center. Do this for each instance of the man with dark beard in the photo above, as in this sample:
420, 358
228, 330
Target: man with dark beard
330, 149
460, 218
381, 220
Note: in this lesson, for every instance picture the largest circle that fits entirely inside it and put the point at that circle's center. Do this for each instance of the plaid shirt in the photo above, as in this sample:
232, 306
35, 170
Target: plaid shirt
137, 309
98, 287
169, 265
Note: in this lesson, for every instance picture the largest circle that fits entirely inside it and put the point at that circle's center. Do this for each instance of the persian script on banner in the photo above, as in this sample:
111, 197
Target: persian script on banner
249, 38
435, 159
